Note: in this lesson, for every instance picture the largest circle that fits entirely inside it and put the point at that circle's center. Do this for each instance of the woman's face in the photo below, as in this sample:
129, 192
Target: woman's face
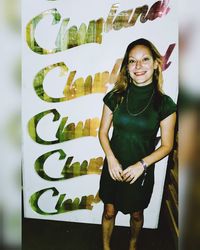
141, 65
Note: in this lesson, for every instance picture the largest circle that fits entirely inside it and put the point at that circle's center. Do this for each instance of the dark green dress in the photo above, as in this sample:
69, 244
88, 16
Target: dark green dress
133, 138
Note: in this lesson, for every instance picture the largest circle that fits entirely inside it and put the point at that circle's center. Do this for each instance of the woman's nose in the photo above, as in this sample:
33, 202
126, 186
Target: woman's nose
138, 64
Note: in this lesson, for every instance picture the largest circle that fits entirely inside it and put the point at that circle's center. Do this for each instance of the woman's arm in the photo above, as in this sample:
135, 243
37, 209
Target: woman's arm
167, 139
114, 167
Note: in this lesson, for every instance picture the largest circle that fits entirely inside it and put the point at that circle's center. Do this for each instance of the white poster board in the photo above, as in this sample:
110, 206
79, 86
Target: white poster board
71, 57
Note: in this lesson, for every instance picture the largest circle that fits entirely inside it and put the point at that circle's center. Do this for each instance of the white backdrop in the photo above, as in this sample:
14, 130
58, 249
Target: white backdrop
87, 60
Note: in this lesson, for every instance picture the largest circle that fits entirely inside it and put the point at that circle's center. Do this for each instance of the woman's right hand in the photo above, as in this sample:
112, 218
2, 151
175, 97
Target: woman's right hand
114, 168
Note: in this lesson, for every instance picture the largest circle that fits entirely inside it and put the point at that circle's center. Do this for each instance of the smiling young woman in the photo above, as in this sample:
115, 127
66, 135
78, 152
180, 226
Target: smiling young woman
137, 107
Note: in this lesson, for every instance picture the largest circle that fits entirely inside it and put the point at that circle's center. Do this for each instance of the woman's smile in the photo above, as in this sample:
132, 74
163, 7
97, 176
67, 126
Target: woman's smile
140, 73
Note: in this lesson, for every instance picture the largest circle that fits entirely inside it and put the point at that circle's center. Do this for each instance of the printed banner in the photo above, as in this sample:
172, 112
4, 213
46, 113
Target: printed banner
72, 52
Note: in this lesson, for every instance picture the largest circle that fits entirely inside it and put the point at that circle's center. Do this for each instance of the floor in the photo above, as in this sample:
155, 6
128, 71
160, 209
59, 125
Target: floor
53, 235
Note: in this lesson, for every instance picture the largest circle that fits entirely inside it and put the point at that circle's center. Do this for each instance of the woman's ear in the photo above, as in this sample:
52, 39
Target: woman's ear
155, 66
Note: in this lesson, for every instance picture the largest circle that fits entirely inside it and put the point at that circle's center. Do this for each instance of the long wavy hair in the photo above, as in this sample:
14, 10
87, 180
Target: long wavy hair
124, 79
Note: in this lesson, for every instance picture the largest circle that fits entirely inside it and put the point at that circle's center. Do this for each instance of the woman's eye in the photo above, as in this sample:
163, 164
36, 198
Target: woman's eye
131, 61
146, 59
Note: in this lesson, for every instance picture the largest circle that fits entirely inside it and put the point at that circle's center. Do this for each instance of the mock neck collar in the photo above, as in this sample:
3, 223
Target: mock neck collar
141, 89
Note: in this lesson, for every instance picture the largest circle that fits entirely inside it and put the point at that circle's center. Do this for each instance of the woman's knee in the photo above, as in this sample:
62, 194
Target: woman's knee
109, 211
137, 216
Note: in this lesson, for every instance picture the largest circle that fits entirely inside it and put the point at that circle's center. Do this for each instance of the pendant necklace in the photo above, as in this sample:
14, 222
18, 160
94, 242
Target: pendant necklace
140, 112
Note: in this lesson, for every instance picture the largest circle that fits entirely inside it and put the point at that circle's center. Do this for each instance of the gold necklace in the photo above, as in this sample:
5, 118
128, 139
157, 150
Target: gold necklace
140, 112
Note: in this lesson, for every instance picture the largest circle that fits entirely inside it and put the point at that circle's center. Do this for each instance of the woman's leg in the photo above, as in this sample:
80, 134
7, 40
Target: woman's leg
136, 223
108, 222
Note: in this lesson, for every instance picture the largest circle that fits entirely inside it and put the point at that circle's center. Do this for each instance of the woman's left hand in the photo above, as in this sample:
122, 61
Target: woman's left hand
132, 173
